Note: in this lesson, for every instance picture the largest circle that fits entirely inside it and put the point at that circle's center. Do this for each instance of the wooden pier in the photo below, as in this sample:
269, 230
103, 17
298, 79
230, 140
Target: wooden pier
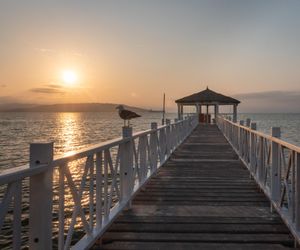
201, 198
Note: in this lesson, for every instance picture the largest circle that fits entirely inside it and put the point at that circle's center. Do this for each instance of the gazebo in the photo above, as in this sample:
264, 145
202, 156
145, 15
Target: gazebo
207, 98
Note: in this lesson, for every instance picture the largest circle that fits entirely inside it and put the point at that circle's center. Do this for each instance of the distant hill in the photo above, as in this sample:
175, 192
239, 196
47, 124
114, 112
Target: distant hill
71, 107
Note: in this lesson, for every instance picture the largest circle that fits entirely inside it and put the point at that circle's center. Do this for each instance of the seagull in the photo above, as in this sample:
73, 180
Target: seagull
126, 115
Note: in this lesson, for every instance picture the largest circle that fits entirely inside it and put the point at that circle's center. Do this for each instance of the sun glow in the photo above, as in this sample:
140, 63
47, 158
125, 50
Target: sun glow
69, 77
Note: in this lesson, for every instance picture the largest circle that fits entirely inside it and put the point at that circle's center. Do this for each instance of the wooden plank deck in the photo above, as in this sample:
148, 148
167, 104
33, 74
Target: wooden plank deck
202, 198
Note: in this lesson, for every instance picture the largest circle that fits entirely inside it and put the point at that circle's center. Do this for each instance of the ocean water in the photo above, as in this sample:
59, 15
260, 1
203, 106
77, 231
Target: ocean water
73, 131
68, 131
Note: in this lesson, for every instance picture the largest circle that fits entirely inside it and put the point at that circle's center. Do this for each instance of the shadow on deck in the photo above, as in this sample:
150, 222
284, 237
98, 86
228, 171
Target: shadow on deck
202, 198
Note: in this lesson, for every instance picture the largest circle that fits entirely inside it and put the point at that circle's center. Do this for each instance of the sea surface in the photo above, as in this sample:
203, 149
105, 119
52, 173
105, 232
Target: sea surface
73, 131
68, 131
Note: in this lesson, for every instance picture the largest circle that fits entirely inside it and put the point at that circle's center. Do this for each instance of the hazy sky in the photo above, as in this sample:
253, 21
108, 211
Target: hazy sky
133, 51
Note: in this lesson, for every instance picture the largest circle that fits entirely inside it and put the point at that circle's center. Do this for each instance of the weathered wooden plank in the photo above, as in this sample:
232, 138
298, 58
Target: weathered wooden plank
189, 246
285, 239
198, 228
274, 220
211, 211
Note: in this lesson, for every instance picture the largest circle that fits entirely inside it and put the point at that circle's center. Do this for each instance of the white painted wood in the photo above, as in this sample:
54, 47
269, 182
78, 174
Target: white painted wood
41, 196
297, 191
275, 167
241, 137
91, 194
61, 210
126, 169
17, 216
234, 115
248, 122
252, 147
99, 188
153, 147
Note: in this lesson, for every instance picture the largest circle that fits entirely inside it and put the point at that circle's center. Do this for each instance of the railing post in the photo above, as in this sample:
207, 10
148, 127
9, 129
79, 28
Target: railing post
297, 191
168, 139
153, 147
260, 170
252, 147
275, 169
41, 196
241, 138
126, 165
248, 122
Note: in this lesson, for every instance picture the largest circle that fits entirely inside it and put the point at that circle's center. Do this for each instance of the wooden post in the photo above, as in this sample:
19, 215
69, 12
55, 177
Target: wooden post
168, 139
153, 147
252, 147
181, 112
297, 191
41, 196
260, 170
206, 113
275, 168
216, 112
234, 115
241, 138
178, 111
143, 141
126, 164
248, 122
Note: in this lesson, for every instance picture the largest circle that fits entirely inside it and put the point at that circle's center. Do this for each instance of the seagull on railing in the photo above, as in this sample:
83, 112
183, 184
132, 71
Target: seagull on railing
126, 115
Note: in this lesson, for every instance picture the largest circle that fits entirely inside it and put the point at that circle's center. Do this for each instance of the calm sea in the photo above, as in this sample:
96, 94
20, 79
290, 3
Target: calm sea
72, 131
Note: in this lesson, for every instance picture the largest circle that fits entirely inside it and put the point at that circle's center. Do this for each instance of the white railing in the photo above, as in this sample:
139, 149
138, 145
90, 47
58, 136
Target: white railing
273, 163
92, 185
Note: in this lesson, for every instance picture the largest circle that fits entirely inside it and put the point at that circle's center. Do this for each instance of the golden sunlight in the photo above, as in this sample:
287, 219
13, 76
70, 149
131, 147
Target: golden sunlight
69, 77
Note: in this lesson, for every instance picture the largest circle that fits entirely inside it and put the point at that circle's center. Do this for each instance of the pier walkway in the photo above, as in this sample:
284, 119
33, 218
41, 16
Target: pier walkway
201, 198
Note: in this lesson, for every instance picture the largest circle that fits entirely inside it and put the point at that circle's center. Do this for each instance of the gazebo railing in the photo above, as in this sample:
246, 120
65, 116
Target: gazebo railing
273, 163
92, 185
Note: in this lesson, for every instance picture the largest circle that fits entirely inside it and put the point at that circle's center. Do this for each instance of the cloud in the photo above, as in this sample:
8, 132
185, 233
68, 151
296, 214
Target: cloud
44, 50
47, 51
47, 90
270, 101
54, 86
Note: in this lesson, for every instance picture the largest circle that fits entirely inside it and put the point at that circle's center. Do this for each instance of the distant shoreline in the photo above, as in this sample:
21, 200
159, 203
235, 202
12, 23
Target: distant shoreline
72, 107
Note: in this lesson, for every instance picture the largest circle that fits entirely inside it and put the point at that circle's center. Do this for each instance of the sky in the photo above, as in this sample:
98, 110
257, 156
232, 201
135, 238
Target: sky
133, 51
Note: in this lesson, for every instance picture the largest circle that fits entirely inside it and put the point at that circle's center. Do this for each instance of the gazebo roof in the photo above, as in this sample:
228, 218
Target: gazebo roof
207, 97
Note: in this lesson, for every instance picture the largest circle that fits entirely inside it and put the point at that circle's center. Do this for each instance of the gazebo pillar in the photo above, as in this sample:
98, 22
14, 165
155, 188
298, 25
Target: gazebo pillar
234, 115
197, 108
181, 112
206, 113
178, 111
216, 112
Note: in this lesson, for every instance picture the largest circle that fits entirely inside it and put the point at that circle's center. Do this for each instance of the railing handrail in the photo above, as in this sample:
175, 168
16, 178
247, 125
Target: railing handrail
266, 136
21, 172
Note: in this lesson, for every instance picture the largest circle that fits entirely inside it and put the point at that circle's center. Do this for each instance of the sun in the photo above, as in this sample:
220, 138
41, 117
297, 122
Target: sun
69, 77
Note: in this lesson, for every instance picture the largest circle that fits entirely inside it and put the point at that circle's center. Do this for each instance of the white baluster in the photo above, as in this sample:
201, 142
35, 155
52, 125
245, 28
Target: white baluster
41, 196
